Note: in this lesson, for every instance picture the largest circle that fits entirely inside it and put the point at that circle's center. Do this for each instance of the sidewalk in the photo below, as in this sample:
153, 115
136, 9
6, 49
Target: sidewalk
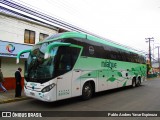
9, 96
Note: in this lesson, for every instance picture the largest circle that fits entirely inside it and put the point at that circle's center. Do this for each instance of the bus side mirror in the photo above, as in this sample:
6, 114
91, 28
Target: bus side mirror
47, 55
20, 53
52, 45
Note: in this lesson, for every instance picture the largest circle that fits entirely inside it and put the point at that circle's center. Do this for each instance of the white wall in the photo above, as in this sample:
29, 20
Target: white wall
12, 29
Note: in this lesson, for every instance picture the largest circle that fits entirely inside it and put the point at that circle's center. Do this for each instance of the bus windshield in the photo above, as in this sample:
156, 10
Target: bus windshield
38, 68
61, 60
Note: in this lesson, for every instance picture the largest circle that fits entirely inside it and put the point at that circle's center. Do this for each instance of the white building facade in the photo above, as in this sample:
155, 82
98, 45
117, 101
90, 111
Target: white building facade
18, 34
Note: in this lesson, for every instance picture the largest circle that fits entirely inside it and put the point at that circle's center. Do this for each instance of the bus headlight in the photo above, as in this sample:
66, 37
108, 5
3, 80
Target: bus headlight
48, 88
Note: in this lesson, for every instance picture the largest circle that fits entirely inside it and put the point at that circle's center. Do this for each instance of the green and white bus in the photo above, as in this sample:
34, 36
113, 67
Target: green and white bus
73, 64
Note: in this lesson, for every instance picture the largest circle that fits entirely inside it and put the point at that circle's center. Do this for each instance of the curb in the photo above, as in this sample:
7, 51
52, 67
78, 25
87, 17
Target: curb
14, 100
152, 78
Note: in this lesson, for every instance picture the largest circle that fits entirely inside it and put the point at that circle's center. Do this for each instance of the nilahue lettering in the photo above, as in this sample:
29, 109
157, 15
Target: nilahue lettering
108, 64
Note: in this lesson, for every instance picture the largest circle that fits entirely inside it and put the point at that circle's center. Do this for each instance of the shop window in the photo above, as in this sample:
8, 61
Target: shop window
42, 36
29, 37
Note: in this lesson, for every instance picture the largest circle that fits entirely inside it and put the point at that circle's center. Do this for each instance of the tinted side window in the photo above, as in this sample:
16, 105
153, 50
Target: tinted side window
65, 59
90, 48
98, 50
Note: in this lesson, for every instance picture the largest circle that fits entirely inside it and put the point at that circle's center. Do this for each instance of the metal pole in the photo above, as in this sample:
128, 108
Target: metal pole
149, 40
158, 59
150, 52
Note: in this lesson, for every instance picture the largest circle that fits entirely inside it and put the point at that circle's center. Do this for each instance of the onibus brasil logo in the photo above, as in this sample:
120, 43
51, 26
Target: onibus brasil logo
10, 48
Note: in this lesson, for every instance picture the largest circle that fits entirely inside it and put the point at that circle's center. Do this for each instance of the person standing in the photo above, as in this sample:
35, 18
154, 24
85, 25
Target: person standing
18, 83
2, 80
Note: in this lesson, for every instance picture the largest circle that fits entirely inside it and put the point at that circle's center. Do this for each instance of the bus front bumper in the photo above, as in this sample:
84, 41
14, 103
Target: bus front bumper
47, 96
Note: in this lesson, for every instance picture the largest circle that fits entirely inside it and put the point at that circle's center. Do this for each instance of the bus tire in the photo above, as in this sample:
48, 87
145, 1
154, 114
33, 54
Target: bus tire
134, 82
87, 91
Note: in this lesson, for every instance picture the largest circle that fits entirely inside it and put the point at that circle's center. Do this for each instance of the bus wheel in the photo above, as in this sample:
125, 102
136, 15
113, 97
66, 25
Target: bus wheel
134, 82
87, 91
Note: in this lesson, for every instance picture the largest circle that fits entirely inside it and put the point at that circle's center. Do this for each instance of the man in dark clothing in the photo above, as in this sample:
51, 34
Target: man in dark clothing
18, 83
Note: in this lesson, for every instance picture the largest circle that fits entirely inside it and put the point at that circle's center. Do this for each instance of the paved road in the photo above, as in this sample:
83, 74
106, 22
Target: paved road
143, 98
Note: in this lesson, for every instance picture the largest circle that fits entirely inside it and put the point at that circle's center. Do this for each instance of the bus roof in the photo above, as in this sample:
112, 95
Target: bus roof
88, 37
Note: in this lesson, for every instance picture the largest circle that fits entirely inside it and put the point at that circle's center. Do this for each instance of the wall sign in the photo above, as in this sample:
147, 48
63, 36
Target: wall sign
10, 49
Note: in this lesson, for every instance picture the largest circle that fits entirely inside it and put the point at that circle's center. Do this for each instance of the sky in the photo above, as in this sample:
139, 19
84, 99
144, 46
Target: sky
127, 22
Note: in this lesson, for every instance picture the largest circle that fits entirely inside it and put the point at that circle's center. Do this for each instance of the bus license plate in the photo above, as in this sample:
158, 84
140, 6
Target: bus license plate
31, 93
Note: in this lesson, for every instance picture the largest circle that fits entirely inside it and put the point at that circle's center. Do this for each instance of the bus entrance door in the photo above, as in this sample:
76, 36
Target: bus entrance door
76, 82
64, 86
65, 61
